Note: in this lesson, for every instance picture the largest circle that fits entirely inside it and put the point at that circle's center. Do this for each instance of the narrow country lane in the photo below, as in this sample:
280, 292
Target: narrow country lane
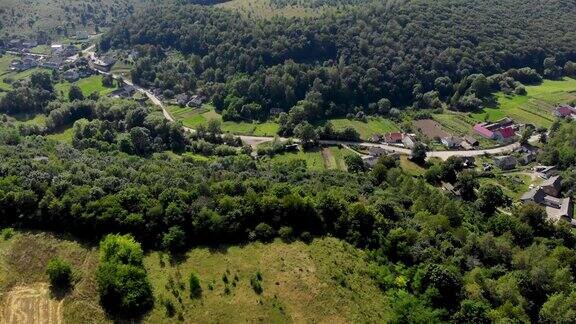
255, 140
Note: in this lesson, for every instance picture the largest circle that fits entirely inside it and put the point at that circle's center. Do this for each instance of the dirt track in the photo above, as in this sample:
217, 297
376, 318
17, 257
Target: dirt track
31, 304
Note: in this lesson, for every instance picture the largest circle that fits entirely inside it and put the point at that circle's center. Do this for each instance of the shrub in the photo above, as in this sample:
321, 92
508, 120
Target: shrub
286, 233
195, 288
174, 240
59, 272
7, 233
122, 282
520, 90
256, 282
306, 237
168, 307
121, 249
124, 289
264, 232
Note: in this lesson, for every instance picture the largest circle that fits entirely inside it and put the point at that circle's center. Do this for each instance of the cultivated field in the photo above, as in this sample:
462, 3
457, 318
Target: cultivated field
31, 304
536, 107
430, 128
462, 125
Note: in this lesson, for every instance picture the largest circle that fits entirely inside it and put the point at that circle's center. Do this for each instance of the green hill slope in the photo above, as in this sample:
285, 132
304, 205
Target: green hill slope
325, 281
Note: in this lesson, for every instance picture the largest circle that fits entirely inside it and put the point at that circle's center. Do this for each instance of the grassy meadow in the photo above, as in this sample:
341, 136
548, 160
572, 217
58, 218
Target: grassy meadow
318, 159
264, 9
373, 125
536, 107
321, 282
324, 281
87, 85
193, 117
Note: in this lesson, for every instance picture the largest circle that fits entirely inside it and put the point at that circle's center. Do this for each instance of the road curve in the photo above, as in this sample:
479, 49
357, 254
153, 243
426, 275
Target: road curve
255, 140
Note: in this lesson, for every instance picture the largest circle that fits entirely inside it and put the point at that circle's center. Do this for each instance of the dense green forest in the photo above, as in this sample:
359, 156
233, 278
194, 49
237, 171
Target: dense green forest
357, 61
437, 258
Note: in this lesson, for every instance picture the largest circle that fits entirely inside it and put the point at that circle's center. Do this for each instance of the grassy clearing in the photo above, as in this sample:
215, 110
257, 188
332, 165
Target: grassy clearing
313, 159
534, 108
5, 61
196, 157
325, 281
64, 135
192, 118
263, 9
41, 49
333, 157
34, 119
337, 160
123, 68
374, 125
87, 85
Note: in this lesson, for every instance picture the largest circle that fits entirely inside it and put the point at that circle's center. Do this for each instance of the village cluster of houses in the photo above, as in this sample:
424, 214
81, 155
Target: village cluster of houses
409, 140
185, 100
64, 58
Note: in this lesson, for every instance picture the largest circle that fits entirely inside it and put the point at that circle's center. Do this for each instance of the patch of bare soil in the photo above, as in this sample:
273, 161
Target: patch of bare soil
329, 160
31, 304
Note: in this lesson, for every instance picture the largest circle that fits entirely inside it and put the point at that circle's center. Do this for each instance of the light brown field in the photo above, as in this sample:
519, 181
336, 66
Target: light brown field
430, 128
31, 304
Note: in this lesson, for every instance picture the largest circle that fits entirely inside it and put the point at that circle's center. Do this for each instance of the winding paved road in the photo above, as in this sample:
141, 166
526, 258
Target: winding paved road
255, 140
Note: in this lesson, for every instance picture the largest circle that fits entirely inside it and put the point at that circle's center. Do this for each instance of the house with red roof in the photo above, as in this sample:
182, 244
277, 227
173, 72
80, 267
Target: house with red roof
483, 131
502, 130
565, 111
394, 137
505, 134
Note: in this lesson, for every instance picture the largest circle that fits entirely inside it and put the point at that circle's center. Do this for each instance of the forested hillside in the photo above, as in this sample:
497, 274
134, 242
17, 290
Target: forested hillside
112, 211
364, 59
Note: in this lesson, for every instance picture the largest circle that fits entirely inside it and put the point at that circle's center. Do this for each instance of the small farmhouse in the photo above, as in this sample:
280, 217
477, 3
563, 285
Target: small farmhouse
506, 162
548, 195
